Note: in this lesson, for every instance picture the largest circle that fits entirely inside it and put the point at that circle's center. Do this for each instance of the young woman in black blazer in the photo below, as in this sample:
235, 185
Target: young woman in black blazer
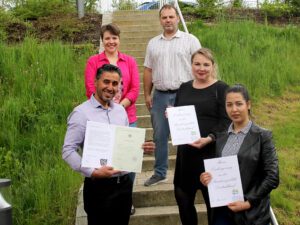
257, 159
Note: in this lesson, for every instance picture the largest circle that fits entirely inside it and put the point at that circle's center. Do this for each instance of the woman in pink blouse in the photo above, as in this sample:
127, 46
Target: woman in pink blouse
130, 84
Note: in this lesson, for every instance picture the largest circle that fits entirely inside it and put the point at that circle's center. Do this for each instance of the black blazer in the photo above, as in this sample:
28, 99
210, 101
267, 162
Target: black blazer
258, 165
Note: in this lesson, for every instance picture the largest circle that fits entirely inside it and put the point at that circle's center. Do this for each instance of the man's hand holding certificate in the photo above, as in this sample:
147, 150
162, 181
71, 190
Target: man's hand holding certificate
116, 146
183, 124
225, 186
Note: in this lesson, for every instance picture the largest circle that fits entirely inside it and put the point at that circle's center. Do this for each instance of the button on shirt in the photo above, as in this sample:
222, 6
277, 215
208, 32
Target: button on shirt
91, 110
170, 59
235, 140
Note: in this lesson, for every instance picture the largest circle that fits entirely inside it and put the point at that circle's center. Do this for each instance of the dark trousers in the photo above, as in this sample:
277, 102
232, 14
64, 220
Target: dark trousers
186, 204
222, 216
108, 200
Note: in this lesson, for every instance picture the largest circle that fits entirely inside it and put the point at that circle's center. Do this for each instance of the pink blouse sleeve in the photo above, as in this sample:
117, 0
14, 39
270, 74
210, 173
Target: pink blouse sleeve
134, 86
89, 76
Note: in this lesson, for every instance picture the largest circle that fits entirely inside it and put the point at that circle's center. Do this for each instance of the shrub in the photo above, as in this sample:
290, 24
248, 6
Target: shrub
276, 9
124, 5
33, 9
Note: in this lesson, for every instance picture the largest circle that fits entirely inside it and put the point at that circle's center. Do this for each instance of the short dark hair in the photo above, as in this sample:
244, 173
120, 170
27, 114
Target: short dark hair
168, 6
111, 28
108, 68
239, 88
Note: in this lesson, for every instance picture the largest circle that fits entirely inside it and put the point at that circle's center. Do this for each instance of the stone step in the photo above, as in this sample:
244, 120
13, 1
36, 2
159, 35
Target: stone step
132, 47
149, 133
136, 53
137, 17
141, 83
144, 20
139, 28
161, 194
140, 60
141, 33
144, 121
148, 162
164, 215
141, 72
140, 98
157, 215
142, 109
133, 40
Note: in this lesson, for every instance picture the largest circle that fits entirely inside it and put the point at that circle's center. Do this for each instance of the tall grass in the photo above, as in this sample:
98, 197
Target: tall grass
40, 85
263, 58
284, 121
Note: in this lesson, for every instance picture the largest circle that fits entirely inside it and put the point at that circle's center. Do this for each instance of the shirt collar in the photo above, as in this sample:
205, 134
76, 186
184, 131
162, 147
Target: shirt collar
176, 35
245, 130
97, 104
102, 56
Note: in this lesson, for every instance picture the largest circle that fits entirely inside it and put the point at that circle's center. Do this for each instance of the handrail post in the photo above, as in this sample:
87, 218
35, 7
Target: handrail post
181, 17
273, 218
80, 8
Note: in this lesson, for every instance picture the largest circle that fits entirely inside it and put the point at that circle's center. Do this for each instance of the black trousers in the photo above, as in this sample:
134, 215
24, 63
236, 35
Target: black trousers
186, 203
108, 200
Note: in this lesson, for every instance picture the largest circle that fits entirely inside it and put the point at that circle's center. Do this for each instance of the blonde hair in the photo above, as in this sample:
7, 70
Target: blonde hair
207, 53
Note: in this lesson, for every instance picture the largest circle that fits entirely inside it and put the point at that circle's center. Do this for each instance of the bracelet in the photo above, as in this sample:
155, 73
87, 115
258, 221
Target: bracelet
212, 136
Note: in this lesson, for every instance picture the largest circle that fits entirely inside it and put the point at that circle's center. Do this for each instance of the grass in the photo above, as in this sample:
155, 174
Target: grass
41, 83
261, 57
281, 115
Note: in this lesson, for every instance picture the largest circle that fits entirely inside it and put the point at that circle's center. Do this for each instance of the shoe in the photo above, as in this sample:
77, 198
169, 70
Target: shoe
132, 210
154, 179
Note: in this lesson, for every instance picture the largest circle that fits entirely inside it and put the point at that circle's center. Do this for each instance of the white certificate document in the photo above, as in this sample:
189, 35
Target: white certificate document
183, 124
225, 186
111, 145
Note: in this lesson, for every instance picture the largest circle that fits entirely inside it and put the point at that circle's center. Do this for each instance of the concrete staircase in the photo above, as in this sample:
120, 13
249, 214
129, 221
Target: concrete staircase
155, 204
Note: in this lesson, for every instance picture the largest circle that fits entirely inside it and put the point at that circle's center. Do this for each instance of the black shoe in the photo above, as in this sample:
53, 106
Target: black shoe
132, 210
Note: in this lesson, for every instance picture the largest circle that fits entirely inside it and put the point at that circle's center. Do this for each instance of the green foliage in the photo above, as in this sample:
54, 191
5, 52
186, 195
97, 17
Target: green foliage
124, 4
67, 28
6, 18
295, 4
207, 3
40, 84
276, 9
284, 121
90, 5
33, 9
206, 9
10, 164
237, 4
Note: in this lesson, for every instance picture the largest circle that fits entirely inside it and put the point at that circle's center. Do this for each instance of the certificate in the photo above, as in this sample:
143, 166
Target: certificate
183, 124
111, 145
225, 186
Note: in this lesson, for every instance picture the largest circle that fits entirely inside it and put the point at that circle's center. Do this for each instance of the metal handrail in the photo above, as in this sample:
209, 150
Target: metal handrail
273, 217
181, 17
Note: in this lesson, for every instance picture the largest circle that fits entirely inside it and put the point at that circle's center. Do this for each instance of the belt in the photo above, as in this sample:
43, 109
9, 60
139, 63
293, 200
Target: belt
168, 91
119, 179
111, 180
